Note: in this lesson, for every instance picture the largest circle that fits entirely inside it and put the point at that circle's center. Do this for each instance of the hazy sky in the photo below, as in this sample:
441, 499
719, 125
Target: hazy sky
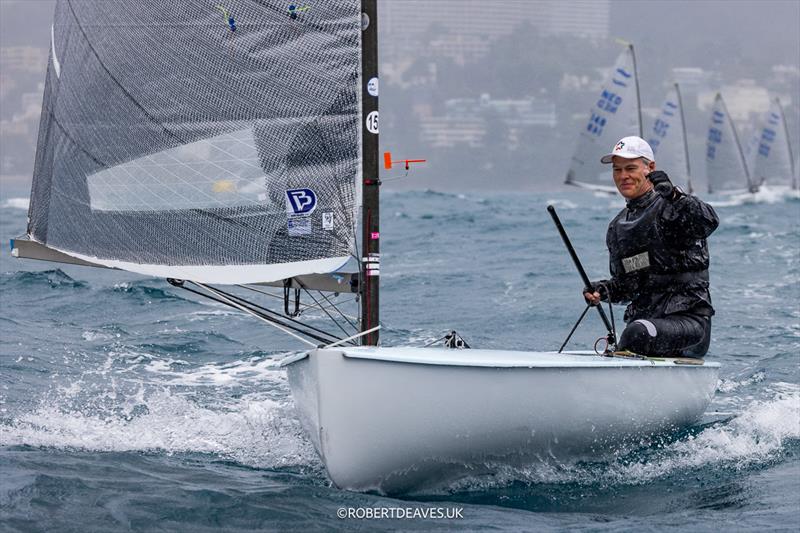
715, 34
689, 32
680, 28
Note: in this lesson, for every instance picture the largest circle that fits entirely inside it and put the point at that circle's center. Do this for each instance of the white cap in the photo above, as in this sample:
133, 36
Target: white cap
630, 148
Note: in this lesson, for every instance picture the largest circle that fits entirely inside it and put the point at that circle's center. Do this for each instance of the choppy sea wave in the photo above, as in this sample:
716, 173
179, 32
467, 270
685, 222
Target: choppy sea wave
16, 203
139, 404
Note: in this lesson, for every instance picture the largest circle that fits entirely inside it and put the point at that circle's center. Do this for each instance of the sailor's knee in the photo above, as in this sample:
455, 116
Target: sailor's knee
637, 335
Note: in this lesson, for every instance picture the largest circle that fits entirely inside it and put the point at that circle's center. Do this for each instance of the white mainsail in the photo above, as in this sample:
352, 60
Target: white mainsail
615, 114
668, 140
209, 148
726, 168
773, 160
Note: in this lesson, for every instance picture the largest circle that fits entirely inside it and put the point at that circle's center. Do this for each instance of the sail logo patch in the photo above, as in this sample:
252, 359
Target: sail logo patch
299, 226
327, 221
300, 202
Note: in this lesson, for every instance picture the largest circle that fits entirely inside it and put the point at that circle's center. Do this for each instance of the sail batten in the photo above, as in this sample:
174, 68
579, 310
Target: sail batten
200, 143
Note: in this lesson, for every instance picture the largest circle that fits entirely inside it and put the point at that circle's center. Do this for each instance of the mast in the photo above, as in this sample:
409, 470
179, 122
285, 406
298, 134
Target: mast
750, 185
370, 262
685, 139
638, 97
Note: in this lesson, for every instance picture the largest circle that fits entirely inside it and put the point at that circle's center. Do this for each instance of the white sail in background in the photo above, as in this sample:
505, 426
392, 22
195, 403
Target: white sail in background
773, 161
668, 140
614, 115
726, 168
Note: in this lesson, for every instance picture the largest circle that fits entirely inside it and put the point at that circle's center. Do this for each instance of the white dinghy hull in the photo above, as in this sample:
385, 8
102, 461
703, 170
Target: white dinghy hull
397, 419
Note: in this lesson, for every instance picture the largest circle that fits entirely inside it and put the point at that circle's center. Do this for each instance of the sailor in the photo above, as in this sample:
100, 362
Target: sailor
658, 258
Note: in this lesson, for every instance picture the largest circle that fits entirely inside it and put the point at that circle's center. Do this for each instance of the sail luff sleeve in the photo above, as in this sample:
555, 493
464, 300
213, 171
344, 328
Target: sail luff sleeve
179, 144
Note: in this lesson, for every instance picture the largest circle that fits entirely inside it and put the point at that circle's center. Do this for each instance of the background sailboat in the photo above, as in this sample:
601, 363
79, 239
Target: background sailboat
726, 168
773, 159
615, 114
668, 140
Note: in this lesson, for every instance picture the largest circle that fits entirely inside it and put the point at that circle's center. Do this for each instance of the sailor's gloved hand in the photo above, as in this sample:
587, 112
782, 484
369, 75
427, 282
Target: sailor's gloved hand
595, 292
661, 182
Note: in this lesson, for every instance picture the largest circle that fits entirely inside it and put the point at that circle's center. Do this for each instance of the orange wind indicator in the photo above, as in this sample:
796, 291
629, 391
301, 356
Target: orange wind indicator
387, 161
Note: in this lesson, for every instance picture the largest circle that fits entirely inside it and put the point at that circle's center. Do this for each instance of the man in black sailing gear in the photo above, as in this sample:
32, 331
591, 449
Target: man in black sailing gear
658, 258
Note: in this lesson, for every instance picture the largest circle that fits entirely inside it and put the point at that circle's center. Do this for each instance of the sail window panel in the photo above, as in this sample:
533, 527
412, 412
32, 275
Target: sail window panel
172, 141
217, 172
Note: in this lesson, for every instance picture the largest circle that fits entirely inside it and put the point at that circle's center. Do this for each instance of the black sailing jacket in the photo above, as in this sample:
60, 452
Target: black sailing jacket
659, 256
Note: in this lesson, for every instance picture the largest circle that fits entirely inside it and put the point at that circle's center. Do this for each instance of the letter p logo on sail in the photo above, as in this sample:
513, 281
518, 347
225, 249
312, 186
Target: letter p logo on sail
300, 201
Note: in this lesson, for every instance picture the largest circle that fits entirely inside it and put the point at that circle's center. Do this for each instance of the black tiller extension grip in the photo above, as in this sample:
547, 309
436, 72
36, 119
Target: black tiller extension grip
579, 266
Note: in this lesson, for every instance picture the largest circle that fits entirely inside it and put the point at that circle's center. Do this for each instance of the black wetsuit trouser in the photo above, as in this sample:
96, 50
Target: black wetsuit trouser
678, 335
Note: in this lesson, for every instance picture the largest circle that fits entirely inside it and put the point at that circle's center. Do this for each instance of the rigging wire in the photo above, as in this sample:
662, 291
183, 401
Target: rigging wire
331, 305
611, 339
306, 307
325, 310
281, 323
243, 308
357, 335
270, 311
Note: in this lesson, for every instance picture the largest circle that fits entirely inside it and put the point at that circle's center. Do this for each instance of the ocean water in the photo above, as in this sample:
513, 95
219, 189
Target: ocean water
127, 404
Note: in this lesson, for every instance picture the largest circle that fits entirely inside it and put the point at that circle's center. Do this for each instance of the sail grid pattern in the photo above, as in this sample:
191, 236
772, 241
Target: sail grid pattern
188, 134
726, 169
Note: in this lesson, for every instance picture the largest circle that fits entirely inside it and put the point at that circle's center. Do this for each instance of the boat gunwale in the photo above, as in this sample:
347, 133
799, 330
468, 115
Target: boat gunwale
481, 358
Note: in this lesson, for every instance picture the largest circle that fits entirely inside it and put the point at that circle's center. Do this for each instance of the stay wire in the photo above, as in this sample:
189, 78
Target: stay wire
276, 323
265, 316
251, 304
306, 307
334, 306
347, 333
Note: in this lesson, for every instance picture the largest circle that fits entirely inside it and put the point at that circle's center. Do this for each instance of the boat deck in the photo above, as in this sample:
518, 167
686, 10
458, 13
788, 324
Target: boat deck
508, 358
